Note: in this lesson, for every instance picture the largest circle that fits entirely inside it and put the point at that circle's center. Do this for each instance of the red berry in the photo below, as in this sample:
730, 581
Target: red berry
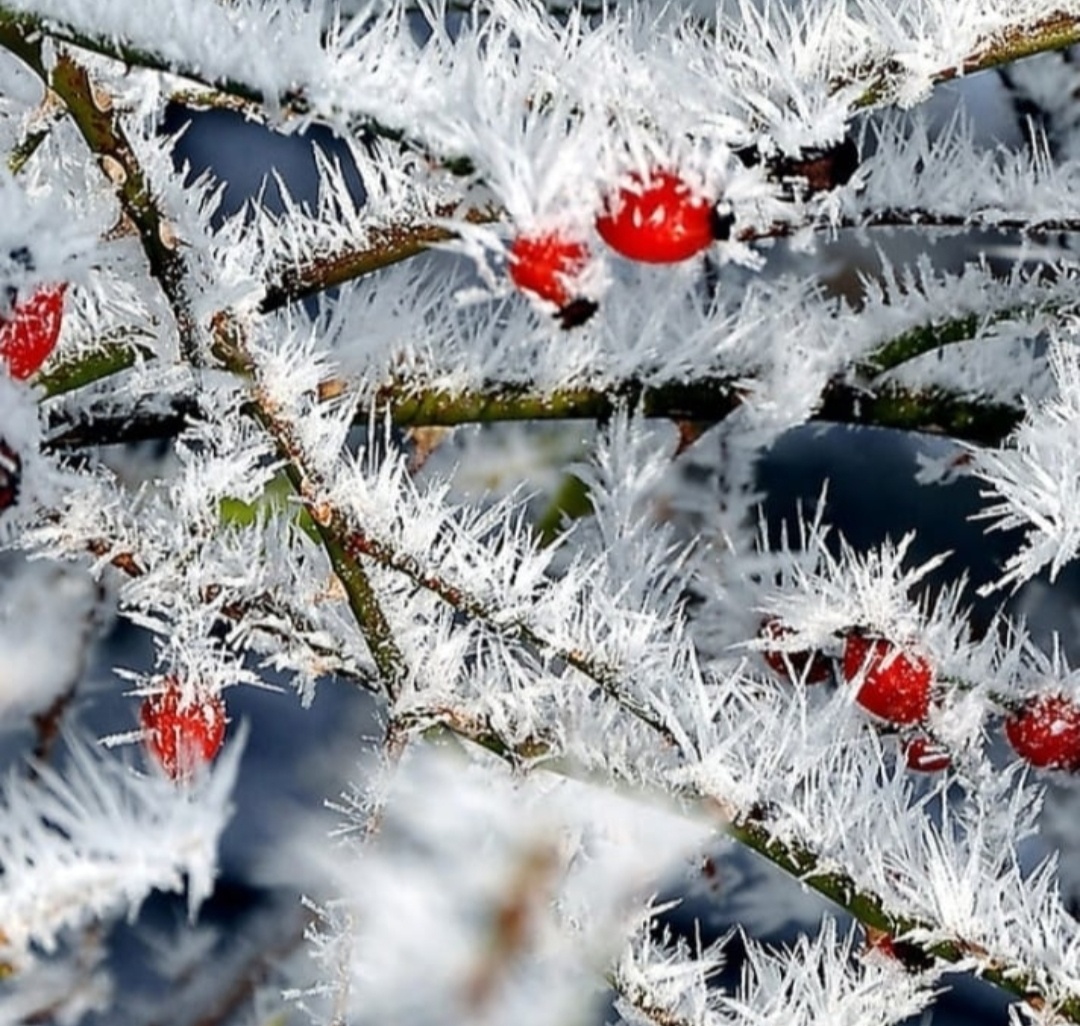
181, 736
808, 665
1046, 732
546, 266
924, 754
895, 683
29, 335
10, 475
660, 220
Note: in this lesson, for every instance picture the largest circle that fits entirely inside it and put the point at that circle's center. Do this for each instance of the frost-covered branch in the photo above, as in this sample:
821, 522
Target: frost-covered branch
385, 246
933, 411
231, 348
666, 983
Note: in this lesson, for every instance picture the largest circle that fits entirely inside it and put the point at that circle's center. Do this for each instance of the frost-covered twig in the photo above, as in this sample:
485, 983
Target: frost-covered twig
665, 983
70, 375
933, 411
385, 246
230, 347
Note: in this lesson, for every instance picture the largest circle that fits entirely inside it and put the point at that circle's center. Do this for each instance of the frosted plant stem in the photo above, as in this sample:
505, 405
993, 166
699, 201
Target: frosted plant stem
266, 607
72, 374
1056, 32
230, 347
99, 124
930, 411
751, 830
384, 247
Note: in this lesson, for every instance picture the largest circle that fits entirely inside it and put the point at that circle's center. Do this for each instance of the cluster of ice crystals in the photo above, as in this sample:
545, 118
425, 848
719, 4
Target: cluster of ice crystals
1034, 477
98, 839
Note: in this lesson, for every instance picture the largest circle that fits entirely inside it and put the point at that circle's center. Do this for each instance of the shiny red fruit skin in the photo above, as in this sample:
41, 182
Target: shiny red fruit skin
182, 737
807, 665
545, 265
925, 755
896, 683
658, 221
1046, 732
29, 335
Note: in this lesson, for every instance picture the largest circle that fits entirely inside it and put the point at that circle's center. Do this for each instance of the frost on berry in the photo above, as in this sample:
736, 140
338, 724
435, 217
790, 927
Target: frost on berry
659, 220
29, 335
546, 265
807, 665
1045, 732
182, 735
894, 684
925, 755
10, 475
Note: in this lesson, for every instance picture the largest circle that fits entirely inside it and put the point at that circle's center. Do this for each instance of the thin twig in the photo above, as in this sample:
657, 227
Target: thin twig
230, 347
382, 248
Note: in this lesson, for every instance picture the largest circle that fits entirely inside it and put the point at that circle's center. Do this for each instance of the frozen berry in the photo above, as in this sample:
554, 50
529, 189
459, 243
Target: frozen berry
924, 754
10, 476
29, 335
895, 682
807, 665
661, 220
182, 736
1046, 732
546, 266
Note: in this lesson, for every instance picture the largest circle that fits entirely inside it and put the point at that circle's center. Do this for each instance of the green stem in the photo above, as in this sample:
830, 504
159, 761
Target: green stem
85, 370
927, 411
363, 602
841, 889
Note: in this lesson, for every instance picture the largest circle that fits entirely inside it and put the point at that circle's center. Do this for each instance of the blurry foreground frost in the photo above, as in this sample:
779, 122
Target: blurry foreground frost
512, 892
